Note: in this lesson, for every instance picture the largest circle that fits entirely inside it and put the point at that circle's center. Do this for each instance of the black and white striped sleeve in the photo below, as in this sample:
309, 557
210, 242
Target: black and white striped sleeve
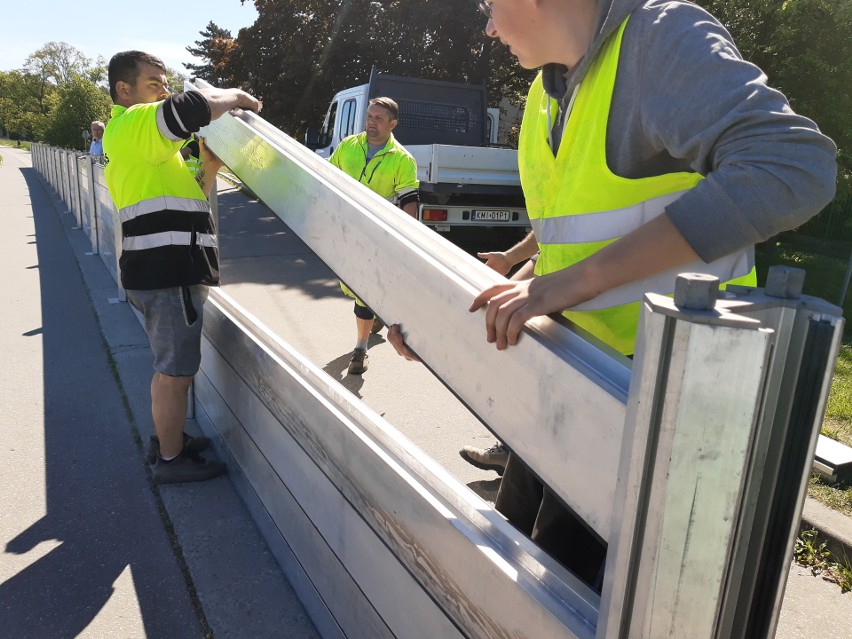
183, 114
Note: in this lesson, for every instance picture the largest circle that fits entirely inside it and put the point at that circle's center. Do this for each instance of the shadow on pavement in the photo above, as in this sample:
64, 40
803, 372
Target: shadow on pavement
98, 501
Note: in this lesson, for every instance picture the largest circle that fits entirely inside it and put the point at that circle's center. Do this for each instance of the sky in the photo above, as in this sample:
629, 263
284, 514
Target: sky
164, 28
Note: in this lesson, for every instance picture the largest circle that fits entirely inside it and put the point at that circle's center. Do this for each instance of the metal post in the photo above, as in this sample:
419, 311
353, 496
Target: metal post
724, 409
92, 206
66, 182
75, 189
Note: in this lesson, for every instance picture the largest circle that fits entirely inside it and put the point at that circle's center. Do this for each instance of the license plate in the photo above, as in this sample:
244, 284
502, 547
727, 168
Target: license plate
489, 216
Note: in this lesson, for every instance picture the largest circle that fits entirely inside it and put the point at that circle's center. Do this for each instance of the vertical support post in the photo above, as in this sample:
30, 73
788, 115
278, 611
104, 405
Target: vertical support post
66, 182
725, 407
50, 154
694, 401
75, 189
809, 331
91, 206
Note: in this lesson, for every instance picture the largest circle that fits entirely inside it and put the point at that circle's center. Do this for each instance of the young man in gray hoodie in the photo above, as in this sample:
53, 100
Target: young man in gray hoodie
649, 147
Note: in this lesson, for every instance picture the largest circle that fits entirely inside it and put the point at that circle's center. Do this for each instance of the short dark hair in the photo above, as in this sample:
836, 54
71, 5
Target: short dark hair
124, 67
387, 103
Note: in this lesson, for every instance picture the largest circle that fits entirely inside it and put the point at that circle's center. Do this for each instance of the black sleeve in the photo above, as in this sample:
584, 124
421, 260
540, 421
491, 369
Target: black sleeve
411, 196
185, 113
194, 148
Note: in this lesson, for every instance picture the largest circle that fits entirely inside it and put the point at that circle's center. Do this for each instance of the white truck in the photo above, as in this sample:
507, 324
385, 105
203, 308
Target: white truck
469, 186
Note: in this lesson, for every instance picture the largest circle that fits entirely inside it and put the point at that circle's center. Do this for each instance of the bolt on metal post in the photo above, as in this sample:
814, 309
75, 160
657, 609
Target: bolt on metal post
696, 291
785, 282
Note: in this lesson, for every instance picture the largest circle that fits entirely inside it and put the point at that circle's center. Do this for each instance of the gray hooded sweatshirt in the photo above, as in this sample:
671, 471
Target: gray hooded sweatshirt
685, 100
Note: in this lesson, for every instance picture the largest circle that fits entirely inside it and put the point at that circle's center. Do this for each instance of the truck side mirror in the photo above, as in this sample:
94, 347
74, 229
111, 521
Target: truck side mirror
312, 139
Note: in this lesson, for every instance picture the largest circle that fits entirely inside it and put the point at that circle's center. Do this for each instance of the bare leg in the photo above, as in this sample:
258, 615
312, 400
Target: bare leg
364, 327
169, 400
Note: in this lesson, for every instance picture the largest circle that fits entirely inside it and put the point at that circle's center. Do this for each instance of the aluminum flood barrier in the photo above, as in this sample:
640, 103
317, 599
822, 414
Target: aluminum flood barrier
695, 475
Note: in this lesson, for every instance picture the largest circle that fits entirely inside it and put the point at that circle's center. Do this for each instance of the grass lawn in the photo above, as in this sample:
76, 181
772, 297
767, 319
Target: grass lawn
825, 263
22, 145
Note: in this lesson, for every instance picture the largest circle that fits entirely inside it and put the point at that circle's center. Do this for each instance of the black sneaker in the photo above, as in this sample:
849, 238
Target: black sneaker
186, 467
191, 444
358, 363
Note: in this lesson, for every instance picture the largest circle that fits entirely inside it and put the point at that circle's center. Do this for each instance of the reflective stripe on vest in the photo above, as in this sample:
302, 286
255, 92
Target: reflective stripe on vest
577, 205
167, 238
163, 203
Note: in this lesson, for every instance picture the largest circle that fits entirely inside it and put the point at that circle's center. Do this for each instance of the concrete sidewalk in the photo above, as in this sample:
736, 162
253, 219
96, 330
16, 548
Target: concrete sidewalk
91, 546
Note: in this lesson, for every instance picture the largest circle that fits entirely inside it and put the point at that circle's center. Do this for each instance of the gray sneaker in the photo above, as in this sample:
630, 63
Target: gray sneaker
191, 444
186, 467
493, 458
358, 363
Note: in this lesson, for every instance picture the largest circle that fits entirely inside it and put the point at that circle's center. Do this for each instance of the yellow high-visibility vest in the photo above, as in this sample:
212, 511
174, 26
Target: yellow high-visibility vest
391, 173
576, 205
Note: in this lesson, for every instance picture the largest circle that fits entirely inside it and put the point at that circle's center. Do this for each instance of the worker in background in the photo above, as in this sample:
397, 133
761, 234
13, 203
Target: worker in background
648, 147
169, 252
382, 164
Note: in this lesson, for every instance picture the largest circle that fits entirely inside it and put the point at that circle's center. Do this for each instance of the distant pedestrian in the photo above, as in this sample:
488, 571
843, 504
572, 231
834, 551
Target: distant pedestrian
96, 147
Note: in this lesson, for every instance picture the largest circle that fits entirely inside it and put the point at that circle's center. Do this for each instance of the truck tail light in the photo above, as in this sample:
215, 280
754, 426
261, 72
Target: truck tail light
434, 215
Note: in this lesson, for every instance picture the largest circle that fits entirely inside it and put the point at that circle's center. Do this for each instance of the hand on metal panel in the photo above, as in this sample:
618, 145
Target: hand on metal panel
510, 305
398, 342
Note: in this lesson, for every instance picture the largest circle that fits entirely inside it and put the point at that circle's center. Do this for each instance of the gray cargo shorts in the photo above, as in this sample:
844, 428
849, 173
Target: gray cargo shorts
173, 319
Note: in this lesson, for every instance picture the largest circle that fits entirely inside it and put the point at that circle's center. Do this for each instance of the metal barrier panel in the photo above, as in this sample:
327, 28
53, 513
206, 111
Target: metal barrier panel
87, 201
75, 181
107, 226
52, 167
391, 544
65, 167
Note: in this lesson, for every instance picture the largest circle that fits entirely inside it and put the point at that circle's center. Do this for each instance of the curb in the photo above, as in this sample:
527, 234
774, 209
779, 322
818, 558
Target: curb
833, 527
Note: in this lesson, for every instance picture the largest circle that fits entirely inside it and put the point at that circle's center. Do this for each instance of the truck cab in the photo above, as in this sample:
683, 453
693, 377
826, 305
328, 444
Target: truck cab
469, 186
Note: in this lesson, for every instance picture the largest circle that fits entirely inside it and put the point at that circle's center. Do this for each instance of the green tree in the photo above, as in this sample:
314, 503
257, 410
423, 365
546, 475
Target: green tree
58, 63
80, 103
299, 53
25, 104
215, 47
804, 48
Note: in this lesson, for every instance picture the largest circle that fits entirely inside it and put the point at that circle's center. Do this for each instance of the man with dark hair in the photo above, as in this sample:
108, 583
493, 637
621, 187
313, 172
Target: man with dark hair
377, 160
169, 253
